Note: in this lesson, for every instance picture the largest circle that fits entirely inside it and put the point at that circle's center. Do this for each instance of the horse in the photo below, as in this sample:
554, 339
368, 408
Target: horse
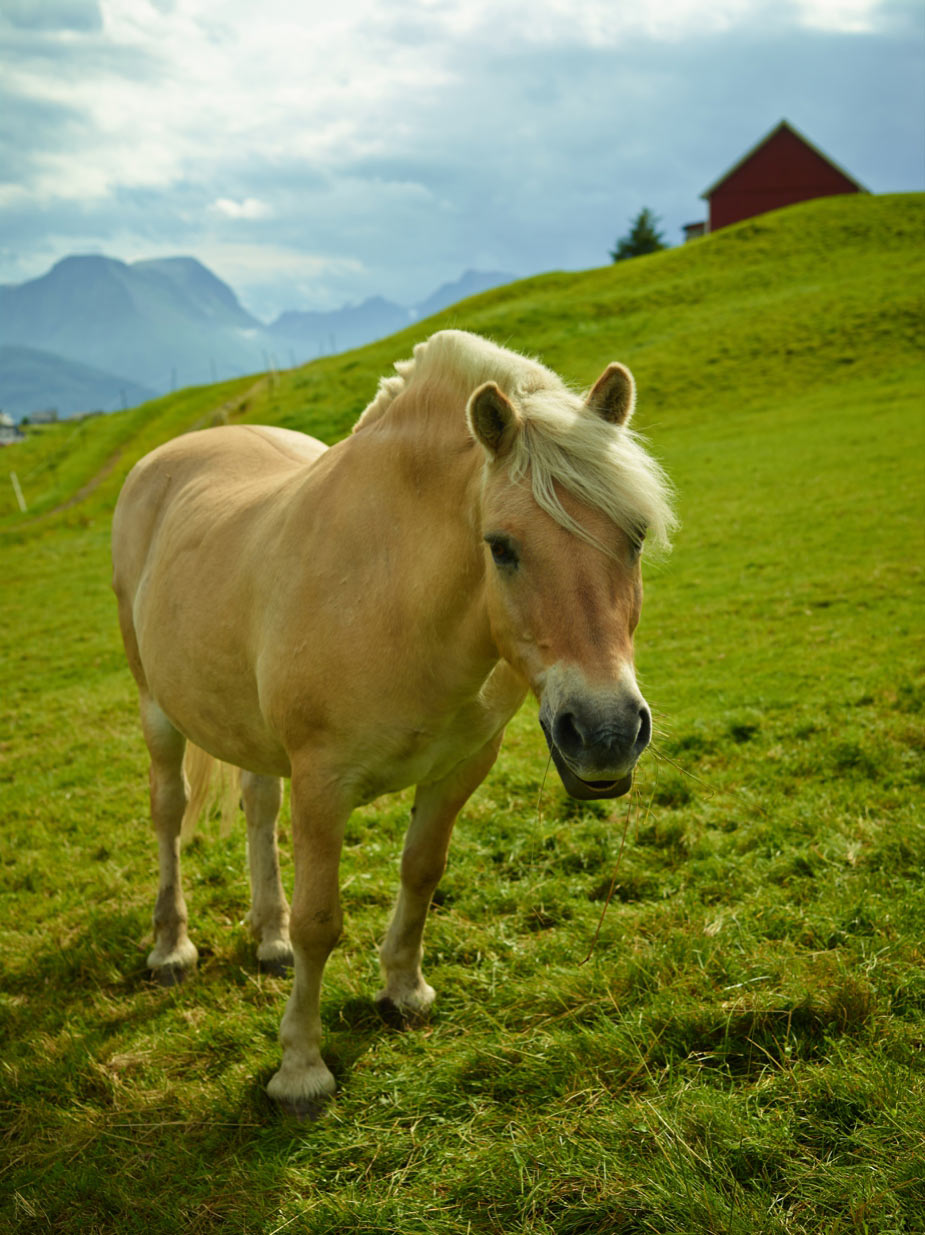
368, 617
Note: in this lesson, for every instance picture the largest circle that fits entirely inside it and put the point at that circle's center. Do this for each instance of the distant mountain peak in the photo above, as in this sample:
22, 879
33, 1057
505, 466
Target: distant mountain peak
205, 290
165, 322
82, 265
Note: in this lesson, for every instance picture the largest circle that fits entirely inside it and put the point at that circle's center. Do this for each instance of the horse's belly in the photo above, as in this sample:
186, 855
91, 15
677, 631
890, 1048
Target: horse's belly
220, 715
198, 670
243, 745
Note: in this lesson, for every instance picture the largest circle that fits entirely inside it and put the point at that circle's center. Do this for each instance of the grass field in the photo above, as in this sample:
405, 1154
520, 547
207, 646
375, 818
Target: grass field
718, 1029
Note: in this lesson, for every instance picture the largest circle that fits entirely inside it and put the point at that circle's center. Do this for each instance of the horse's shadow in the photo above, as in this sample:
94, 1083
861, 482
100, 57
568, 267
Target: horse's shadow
106, 957
99, 1056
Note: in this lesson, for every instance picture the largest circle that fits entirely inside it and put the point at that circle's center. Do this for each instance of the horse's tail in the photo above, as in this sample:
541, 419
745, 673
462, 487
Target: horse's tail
212, 787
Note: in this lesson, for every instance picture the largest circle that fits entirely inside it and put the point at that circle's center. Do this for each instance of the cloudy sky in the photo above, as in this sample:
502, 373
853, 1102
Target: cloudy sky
315, 153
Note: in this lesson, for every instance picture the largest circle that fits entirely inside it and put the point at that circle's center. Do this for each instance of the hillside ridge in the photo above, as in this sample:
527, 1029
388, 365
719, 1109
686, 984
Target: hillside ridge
810, 300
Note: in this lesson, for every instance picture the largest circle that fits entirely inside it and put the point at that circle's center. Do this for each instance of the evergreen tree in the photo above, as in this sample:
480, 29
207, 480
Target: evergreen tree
643, 237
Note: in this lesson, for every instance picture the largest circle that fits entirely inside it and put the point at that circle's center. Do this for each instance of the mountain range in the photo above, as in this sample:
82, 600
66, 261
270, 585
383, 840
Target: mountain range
96, 333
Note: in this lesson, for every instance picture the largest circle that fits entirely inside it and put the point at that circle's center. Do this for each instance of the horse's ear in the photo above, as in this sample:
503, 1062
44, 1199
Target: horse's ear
493, 420
613, 395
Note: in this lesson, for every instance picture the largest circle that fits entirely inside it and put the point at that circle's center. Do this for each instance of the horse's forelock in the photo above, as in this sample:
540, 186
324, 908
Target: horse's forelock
602, 465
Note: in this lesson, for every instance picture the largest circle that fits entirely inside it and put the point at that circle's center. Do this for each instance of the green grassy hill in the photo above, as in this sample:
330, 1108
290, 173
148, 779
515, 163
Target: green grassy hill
742, 1050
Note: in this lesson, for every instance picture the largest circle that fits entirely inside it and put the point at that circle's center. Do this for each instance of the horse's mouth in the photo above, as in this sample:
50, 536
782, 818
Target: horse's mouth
586, 790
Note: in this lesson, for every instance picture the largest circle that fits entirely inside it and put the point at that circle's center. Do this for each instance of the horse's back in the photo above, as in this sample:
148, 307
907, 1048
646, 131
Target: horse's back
211, 470
229, 456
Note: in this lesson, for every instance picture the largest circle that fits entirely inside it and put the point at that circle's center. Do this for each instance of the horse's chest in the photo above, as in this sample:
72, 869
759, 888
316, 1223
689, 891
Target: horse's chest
428, 752
414, 757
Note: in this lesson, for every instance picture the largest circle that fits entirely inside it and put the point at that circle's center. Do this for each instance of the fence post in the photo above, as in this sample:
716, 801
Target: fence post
14, 479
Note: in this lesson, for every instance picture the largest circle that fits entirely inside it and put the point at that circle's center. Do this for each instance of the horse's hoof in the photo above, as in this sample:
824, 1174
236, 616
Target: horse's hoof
274, 956
276, 966
169, 966
397, 1016
302, 1092
170, 975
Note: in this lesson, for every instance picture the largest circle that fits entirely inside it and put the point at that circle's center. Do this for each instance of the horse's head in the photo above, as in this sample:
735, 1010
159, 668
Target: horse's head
564, 587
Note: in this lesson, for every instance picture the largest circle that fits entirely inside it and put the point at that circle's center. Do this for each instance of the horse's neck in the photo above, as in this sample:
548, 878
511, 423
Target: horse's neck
418, 468
432, 412
426, 452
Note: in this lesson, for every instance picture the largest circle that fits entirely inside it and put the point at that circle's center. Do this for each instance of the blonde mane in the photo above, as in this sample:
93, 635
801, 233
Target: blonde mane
562, 442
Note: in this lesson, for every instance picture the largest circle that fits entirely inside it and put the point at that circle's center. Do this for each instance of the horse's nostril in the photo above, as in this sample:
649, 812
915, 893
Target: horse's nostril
644, 734
566, 733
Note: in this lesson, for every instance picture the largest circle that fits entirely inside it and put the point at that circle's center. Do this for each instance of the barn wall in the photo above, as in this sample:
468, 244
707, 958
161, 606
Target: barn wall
782, 172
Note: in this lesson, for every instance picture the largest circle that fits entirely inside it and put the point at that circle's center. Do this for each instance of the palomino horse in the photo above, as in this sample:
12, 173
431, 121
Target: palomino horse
370, 616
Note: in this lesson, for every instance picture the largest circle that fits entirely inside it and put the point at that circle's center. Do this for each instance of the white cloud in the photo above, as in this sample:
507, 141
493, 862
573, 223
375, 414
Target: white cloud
249, 208
843, 16
170, 93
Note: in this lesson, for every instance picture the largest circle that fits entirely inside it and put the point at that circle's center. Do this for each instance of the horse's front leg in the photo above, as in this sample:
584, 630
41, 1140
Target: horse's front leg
303, 1081
427, 841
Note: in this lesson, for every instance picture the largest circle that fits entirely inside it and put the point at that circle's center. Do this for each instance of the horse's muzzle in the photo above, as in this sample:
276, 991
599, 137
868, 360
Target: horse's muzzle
595, 750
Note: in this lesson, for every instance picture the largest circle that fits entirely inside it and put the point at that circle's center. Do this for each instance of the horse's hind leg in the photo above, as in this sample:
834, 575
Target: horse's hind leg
427, 841
174, 953
269, 912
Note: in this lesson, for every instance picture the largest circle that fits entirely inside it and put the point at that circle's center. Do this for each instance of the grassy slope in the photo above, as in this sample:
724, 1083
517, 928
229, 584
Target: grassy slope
740, 1051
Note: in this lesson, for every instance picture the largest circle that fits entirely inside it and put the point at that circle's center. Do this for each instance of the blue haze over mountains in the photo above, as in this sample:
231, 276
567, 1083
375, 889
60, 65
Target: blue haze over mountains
95, 333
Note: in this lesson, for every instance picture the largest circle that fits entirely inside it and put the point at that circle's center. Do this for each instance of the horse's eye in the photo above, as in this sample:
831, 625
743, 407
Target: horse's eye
502, 551
637, 539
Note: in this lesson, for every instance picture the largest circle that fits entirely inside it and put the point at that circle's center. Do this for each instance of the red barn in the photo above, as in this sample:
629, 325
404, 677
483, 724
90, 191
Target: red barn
782, 169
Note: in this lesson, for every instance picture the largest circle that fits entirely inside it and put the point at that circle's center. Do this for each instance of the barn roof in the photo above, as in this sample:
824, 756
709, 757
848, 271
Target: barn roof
784, 126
